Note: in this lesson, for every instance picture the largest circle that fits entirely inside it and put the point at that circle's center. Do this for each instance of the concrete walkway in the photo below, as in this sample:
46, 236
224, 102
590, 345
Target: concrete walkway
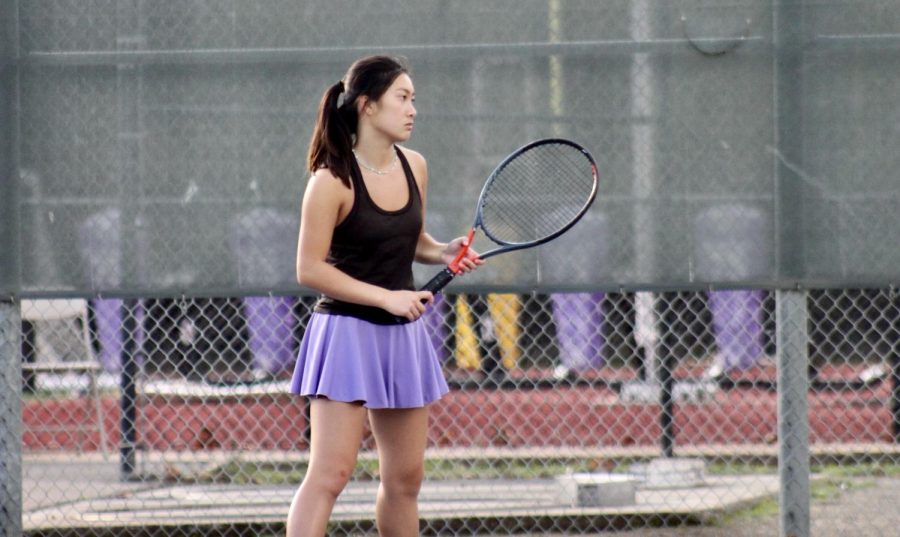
65, 493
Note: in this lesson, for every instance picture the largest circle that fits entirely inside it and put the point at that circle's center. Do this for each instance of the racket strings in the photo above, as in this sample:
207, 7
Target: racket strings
537, 193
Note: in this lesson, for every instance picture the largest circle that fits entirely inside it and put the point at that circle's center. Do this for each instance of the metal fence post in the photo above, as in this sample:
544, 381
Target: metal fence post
128, 404
793, 417
10, 421
791, 314
128, 89
893, 337
667, 362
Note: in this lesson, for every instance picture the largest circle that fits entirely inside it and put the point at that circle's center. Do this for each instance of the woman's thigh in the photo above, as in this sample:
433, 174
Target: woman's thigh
337, 430
401, 436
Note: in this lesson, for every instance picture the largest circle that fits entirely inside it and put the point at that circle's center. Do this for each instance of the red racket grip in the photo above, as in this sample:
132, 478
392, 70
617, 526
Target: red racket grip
445, 276
454, 265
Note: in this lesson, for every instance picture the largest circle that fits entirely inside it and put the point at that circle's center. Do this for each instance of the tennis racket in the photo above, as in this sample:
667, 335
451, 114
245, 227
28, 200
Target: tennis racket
537, 193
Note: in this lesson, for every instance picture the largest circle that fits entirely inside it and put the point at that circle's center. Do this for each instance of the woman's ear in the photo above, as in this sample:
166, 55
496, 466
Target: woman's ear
364, 106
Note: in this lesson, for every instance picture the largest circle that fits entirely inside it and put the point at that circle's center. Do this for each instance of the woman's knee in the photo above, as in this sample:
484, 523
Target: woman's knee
329, 480
404, 482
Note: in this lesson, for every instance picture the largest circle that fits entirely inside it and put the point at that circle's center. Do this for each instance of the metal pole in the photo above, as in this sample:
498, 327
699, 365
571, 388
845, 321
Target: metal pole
793, 417
643, 143
128, 89
667, 410
667, 363
793, 420
788, 140
128, 420
894, 360
557, 80
420, 52
895, 391
10, 279
10, 421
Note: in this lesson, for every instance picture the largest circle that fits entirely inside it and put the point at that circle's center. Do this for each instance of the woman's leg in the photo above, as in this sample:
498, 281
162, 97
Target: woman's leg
400, 435
337, 430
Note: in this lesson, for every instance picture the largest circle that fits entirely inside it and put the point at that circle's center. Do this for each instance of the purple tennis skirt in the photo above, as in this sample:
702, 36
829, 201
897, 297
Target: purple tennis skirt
383, 366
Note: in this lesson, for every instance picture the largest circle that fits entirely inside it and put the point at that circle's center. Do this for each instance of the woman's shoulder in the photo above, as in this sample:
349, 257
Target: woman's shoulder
324, 185
413, 156
416, 162
326, 178
322, 174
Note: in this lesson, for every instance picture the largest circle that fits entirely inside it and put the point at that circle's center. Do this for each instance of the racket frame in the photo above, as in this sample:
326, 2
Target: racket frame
453, 268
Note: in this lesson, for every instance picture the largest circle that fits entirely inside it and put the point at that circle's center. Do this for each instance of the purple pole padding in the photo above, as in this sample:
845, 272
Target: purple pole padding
99, 239
435, 320
270, 323
257, 241
108, 320
579, 329
737, 323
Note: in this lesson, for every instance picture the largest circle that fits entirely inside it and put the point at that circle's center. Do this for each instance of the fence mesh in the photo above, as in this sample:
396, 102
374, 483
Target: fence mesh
553, 422
155, 153
140, 123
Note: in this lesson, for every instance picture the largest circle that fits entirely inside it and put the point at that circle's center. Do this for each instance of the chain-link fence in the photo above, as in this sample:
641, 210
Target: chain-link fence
718, 350
737, 144
568, 412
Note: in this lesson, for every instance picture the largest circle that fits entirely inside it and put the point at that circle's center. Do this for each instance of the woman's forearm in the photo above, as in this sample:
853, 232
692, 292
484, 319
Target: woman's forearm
430, 251
336, 284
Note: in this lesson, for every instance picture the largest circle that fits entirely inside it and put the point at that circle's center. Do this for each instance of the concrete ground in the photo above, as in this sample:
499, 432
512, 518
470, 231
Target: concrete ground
67, 494
869, 510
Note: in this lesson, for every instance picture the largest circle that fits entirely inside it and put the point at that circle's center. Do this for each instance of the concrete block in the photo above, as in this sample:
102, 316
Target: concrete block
596, 489
671, 473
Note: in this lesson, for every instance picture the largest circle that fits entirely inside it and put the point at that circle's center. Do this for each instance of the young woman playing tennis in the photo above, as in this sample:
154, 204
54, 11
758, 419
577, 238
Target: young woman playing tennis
364, 351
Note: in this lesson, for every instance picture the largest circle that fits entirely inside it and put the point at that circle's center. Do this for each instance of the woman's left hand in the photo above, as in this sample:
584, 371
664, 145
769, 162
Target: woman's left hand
469, 262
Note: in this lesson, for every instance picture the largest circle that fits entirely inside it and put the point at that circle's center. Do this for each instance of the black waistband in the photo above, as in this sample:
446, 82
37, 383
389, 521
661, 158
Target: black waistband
366, 313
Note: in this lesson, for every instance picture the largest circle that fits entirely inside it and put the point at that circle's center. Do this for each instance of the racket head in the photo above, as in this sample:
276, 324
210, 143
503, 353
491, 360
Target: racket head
536, 193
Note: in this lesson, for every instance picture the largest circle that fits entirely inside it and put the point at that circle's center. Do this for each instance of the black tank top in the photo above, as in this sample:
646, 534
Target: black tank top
375, 246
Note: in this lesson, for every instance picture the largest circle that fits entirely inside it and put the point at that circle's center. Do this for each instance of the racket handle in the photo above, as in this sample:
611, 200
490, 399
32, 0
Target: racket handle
434, 285
439, 281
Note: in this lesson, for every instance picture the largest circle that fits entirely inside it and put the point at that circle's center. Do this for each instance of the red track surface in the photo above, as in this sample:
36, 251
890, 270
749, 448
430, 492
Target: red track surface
572, 416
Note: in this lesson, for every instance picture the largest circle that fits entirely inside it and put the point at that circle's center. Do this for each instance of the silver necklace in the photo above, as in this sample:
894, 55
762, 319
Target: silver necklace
375, 170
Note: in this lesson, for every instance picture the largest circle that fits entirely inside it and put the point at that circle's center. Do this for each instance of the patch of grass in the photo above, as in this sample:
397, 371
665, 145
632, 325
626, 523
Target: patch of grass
766, 507
251, 473
502, 468
822, 490
44, 394
840, 479
737, 468
836, 481
845, 471
825, 490
64, 394
270, 473
265, 473
875, 469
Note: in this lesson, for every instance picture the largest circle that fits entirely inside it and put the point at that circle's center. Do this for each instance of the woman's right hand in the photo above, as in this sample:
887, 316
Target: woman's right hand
468, 263
407, 304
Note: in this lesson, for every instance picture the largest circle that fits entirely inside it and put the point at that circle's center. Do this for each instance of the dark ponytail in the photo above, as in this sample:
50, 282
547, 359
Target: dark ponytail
332, 140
